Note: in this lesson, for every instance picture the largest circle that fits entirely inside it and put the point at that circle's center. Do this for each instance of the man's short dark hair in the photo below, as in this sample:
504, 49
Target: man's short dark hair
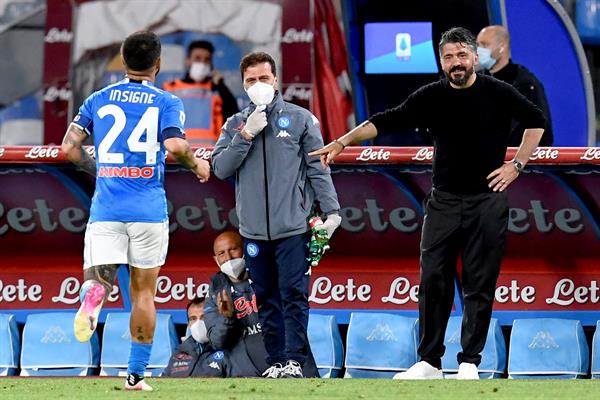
200, 44
141, 50
253, 59
458, 35
195, 302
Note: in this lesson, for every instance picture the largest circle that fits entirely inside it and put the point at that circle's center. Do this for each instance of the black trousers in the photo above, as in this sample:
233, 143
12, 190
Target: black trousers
473, 227
278, 273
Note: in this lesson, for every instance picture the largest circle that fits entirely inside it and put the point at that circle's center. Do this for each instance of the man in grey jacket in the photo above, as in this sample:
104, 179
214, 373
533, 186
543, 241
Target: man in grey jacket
266, 147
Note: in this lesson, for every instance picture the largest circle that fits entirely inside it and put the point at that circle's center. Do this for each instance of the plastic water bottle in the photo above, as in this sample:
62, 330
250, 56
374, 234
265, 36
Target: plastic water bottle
319, 241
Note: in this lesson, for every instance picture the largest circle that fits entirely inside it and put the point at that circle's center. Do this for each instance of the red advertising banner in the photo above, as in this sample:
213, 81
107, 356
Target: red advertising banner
354, 155
296, 52
57, 64
551, 265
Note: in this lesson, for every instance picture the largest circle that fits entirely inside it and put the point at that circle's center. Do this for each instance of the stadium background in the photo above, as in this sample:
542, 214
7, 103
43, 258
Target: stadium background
57, 59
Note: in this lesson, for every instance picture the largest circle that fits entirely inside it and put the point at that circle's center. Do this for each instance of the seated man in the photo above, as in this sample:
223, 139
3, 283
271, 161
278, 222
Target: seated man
231, 313
194, 357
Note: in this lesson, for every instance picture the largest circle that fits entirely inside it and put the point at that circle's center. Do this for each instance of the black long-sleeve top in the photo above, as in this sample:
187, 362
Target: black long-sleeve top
470, 128
529, 86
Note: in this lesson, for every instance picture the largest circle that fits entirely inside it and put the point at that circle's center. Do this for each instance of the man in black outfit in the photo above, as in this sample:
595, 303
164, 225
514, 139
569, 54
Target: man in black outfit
469, 117
493, 49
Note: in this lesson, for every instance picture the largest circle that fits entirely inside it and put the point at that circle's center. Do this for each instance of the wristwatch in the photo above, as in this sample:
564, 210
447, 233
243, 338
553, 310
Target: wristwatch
518, 165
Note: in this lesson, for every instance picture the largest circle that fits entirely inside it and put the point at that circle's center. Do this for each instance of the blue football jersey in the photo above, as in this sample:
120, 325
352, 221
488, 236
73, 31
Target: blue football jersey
129, 121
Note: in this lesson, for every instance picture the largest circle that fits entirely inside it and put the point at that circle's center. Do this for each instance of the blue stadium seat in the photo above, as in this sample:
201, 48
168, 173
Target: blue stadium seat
596, 352
10, 345
547, 348
326, 344
493, 356
116, 341
28, 107
379, 345
21, 122
51, 349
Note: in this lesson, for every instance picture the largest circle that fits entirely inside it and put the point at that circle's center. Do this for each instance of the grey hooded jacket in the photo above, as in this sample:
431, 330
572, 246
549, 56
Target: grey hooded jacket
276, 182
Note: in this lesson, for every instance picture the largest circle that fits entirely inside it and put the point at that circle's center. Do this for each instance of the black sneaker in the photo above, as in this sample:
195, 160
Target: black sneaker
273, 372
292, 369
136, 382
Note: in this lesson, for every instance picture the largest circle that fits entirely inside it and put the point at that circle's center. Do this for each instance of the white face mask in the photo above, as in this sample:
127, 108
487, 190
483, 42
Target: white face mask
261, 93
486, 61
199, 71
198, 330
234, 267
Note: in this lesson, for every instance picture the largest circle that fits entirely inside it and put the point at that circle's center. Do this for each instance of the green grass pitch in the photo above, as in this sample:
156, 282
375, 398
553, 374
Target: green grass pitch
301, 389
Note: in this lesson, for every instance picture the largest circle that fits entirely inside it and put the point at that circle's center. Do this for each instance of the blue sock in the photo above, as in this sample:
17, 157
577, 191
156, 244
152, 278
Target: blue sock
138, 358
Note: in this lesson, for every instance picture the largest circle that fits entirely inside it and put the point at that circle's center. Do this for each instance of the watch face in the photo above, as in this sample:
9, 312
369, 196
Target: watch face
518, 165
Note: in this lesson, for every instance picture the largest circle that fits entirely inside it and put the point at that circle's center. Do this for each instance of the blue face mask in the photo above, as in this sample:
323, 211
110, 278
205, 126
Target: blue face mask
486, 61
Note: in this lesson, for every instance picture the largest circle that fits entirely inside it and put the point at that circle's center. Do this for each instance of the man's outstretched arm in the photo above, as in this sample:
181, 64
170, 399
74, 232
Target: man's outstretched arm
328, 153
183, 154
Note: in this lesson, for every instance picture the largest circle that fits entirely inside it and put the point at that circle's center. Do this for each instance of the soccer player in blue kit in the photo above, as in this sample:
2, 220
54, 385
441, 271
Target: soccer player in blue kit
133, 123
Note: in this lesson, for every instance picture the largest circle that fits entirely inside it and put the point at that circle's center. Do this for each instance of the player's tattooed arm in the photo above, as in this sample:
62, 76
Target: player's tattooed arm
72, 146
181, 151
186, 158
87, 163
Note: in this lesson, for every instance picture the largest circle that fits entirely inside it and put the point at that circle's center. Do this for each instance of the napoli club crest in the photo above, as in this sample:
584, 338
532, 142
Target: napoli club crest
284, 122
252, 249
